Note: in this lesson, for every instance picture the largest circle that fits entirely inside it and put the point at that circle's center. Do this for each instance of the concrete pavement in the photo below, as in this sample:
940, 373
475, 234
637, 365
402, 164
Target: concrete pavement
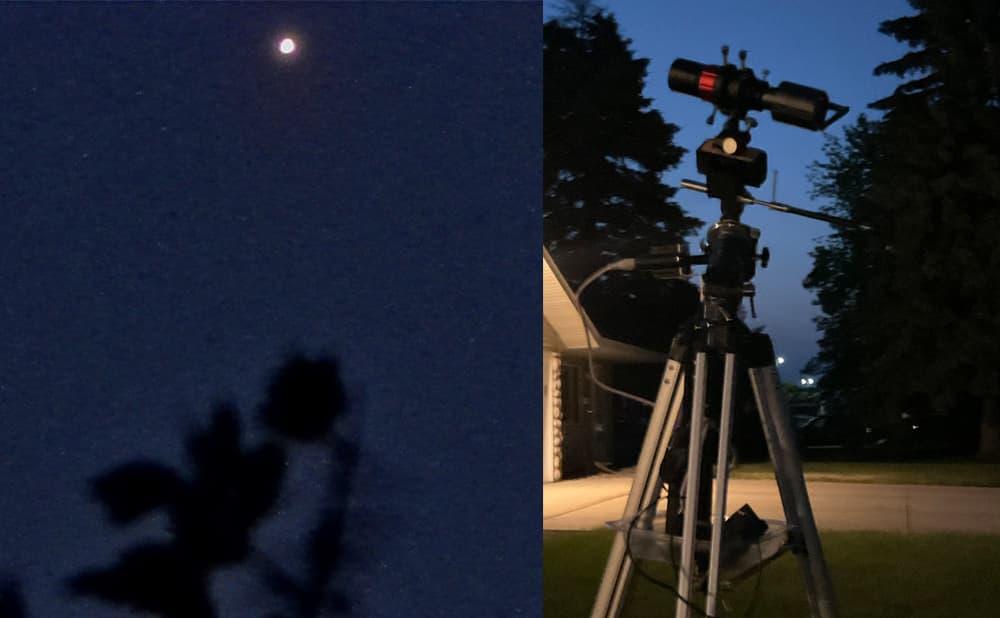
587, 503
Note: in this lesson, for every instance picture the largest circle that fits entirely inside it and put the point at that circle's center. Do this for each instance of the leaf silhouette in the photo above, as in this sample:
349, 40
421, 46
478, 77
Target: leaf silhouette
11, 599
215, 451
158, 578
229, 493
134, 489
304, 399
260, 480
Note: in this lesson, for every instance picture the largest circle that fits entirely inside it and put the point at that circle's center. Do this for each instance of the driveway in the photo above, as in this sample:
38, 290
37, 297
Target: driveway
582, 504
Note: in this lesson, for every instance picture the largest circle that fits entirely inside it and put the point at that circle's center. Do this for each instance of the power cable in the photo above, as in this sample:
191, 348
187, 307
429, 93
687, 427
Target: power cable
625, 265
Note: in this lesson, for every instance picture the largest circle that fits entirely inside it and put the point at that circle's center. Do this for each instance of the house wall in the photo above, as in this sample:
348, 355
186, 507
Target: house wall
551, 422
577, 425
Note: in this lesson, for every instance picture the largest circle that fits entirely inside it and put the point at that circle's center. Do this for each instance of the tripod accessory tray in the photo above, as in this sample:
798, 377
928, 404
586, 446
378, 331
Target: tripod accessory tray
657, 545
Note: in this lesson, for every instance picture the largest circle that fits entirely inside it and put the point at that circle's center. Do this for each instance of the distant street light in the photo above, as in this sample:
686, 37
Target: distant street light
781, 360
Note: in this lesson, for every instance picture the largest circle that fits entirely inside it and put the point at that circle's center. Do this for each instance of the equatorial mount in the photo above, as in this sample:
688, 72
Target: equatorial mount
730, 164
727, 160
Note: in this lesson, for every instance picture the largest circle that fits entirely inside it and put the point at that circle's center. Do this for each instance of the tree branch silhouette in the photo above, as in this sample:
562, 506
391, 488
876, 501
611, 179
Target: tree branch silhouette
214, 511
299, 402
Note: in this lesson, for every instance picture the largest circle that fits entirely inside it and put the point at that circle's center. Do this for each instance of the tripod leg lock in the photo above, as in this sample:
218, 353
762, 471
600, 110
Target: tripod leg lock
680, 347
796, 541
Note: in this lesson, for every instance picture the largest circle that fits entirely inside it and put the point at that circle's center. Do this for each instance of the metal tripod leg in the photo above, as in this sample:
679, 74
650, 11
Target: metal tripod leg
689, 538
781, 443
645, 486
685, 575
721, 483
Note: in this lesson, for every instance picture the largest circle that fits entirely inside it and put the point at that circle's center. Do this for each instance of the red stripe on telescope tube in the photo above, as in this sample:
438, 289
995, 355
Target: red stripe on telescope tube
706, 84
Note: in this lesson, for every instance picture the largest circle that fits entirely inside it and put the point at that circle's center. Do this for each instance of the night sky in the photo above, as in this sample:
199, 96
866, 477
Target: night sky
181, 207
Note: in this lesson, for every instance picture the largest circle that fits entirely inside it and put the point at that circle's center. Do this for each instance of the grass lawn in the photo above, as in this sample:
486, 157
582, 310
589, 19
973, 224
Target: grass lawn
967, 473
875, 575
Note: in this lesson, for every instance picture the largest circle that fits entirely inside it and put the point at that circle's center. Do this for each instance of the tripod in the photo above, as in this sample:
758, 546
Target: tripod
738, 346
692, 389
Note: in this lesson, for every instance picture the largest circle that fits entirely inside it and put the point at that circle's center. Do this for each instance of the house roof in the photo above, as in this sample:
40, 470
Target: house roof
563, 327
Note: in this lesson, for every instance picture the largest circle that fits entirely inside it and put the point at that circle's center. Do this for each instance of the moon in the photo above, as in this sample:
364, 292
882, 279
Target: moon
286, 46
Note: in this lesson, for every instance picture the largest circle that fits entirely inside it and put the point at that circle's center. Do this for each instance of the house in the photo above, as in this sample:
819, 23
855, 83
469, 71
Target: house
578, 419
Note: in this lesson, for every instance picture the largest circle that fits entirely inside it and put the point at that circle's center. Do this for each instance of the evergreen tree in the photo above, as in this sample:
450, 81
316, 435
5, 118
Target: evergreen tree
604, 153
922, 338
842, 267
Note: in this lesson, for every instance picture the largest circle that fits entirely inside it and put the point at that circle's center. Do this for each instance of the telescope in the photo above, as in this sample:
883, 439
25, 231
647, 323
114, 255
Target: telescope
737, 90
727, 160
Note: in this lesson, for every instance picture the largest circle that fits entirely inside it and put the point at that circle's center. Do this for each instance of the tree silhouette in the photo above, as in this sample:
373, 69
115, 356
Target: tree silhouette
842, 266
911, 311
214, 511
605, 153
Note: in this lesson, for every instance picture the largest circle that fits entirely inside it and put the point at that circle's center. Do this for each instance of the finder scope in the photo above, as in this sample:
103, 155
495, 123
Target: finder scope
736, 90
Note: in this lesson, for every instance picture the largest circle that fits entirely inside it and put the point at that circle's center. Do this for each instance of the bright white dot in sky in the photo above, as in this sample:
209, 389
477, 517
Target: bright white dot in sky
286, 46
781, 360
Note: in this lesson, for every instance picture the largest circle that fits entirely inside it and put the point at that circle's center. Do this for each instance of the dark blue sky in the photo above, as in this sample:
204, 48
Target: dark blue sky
181, 207
833, 46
